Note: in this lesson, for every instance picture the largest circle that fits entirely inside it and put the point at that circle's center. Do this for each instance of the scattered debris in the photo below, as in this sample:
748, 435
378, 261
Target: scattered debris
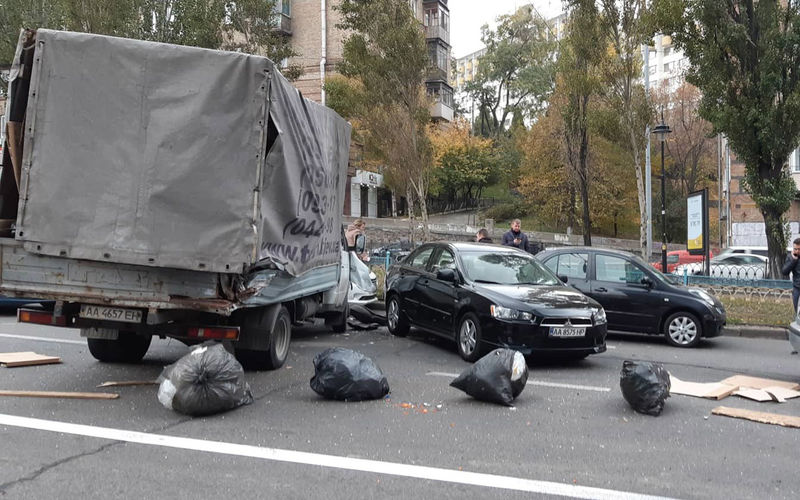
53, 394
711, 390
758, 416
757, 389
777, 394
126, 383
28, 358
645, 386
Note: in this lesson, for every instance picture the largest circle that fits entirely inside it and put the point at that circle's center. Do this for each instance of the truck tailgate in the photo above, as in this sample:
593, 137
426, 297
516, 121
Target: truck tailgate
24, 274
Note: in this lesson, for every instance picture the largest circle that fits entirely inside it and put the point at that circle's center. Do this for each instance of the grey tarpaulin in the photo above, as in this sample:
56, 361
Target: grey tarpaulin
153, 154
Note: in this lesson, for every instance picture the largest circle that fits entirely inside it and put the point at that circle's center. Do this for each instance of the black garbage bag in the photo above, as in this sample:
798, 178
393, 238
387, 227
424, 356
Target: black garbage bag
645, 386
208, 380
498, 377
347, 375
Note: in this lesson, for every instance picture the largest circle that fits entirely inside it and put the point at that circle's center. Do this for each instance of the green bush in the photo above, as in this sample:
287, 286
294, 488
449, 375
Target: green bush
380, 272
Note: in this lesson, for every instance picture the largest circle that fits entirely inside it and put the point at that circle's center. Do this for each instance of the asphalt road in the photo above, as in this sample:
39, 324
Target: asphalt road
570, 434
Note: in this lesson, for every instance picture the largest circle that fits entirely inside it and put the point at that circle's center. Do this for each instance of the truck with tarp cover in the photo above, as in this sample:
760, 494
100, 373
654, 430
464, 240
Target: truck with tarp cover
156, 189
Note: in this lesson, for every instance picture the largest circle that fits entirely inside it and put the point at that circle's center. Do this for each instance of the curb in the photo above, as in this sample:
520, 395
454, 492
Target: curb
756, 332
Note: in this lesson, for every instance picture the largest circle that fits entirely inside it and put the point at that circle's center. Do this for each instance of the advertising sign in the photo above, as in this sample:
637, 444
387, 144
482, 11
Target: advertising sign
697, 222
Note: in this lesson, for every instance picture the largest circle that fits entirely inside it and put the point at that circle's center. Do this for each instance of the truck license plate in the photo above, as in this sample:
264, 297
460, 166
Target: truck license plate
564, 331
111, 313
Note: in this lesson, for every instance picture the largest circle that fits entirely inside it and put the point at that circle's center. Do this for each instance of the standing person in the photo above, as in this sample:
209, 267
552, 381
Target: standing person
483, 236
514, 237
352, 232
792, 265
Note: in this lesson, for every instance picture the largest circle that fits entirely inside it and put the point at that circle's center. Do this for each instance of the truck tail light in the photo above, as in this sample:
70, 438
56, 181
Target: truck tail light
214, 332
40, 317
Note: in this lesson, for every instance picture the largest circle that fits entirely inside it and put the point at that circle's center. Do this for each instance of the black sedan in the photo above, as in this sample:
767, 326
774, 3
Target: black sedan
637, 297
485, 296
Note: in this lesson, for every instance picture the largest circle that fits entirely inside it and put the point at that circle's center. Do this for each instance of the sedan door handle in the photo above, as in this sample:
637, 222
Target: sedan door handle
601, 289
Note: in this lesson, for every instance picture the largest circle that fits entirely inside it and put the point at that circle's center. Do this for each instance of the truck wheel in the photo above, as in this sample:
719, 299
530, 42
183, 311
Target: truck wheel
278, 350
127, 348
338, 323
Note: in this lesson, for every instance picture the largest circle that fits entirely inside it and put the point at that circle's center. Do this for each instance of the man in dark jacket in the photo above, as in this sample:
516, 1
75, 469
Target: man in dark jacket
792, 265
483, 237
514, 237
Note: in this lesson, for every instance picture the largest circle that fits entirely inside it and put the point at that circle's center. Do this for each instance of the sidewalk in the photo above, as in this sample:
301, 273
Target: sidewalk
755, 331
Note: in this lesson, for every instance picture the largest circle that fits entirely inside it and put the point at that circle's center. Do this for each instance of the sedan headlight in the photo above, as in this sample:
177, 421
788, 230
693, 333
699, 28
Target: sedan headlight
600, 316
703, 295
507, 313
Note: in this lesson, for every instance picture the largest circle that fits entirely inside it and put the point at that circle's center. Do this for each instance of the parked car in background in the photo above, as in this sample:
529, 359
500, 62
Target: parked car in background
636, 297
484, 296
676, 258
731, 265
14, 302
397, 250
747, 250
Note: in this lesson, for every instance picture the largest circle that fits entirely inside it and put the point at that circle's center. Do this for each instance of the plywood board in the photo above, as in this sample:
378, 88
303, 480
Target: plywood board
14, 359
125, 383
52, 394
758, 416
710, 390
759, 383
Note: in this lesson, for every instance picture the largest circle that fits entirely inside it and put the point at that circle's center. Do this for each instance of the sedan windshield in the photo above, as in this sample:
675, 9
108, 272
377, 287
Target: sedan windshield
506, 269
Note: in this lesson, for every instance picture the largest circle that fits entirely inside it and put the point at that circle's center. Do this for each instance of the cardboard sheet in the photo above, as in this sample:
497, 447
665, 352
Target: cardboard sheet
710, 390
759, 383
15, 359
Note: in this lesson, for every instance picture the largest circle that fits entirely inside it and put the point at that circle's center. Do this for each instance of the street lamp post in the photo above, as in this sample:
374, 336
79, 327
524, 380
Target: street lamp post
661, 132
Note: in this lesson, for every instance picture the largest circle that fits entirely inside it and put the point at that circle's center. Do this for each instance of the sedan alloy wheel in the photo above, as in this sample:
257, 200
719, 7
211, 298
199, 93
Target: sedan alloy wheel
682, 330
470, 346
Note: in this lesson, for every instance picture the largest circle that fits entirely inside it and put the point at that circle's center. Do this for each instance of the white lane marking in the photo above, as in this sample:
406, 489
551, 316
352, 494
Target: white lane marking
539, 382
43, 339
611, 346
332, 461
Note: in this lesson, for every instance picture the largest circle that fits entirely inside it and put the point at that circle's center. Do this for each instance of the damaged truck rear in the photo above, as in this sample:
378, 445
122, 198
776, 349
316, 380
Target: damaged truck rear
154, 189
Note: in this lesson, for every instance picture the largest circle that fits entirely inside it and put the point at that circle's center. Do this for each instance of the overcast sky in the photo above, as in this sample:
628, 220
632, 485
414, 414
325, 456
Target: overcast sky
467, 17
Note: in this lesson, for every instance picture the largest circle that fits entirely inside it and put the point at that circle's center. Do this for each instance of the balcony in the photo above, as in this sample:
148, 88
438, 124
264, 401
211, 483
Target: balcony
282, 23
437, 31
441, 112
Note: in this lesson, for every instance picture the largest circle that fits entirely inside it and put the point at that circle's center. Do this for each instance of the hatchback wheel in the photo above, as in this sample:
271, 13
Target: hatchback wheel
683, 329
397, 324
469, 338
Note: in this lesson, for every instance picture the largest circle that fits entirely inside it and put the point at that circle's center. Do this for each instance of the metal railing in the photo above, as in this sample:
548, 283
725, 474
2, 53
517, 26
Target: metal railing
743, 276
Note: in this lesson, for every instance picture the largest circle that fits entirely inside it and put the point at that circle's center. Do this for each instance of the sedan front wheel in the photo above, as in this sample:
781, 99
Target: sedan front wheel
398, 325
683, 329
469, 338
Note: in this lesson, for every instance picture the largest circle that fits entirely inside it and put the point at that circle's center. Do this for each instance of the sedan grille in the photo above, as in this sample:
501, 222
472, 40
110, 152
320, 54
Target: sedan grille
563, 322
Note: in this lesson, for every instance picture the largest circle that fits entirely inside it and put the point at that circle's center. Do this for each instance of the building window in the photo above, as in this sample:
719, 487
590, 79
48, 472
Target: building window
667, 50
413, 5
283, 7
652, 70
666, 67
794, 161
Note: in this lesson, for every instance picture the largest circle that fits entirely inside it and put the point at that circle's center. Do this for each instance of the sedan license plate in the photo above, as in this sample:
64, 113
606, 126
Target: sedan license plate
567, 331
111, 313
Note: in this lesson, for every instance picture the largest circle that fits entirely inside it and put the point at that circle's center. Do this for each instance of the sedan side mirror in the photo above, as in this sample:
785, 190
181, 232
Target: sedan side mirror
446, 275
647, 282
563, 278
